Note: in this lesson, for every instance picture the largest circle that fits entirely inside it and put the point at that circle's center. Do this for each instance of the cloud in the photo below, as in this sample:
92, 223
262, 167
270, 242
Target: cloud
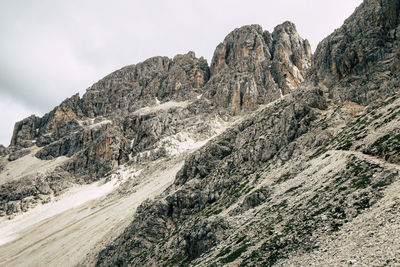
53, 49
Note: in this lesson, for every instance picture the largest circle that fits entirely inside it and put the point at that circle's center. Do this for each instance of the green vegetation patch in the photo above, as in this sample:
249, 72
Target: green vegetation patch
234, 255
224, 252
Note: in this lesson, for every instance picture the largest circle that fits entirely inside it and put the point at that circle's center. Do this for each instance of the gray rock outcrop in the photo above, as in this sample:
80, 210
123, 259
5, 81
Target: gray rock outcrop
359, 62
25, 131
136, 86
252, 66
3, 151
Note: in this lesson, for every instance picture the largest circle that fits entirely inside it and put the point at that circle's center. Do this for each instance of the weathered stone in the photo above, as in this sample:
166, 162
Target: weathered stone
252, 67
303, 135
3, 151
273, 186
25, 131
135, 86
360, 61
18, 154
291, 57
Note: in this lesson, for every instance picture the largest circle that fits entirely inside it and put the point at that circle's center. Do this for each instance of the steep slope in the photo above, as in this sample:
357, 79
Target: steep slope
293, 179
68, 175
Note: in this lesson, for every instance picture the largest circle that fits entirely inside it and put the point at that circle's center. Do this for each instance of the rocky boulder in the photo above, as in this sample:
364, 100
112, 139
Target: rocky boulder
3, 151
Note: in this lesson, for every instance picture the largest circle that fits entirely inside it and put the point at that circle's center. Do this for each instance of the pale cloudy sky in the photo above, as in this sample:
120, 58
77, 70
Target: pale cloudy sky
52, 49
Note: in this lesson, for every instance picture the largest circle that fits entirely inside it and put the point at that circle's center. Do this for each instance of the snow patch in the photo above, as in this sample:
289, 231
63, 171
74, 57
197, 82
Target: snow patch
90, 123
289, 84
157, 101
185, 141
98, 124
29, 165
297, 74
132, 143
179, 143
306, 64
74, 197
164, 106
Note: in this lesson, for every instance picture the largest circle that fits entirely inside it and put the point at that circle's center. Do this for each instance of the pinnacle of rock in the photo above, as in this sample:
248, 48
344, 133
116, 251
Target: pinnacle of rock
251, 67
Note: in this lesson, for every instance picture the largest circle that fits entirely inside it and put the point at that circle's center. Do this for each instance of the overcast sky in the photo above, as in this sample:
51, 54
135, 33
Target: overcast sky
51, 49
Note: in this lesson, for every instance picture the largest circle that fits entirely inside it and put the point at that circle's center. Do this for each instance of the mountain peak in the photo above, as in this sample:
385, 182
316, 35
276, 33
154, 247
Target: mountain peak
286, 26
252, 66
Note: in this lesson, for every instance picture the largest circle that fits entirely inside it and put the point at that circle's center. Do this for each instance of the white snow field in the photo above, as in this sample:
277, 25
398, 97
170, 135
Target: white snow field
66, 231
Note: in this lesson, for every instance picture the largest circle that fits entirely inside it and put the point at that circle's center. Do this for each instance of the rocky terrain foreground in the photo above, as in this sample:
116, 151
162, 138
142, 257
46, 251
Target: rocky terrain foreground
270, 156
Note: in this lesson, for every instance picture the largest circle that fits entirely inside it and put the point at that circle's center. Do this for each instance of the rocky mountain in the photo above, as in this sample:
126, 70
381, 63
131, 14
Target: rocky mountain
132, 114
251, 67
271, 156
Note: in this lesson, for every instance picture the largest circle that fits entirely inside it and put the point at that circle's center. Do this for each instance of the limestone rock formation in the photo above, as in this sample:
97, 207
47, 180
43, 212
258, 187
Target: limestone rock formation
271, 156
93, 137
292, 175
359, 62
110, 125
25, 131
136, 86
252, 66
291, 57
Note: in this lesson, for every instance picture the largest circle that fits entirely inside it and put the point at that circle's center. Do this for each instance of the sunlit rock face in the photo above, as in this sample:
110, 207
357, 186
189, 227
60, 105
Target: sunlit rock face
252, 66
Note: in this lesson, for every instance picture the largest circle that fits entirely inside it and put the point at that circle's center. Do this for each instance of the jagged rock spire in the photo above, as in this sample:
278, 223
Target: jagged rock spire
251, 66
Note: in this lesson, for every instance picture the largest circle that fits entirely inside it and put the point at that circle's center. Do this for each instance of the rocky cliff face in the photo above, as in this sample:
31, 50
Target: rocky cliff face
360, 61
106, 128
252, 66
136, 86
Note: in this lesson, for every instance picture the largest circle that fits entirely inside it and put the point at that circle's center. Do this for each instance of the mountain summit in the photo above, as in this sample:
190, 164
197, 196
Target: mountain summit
270, 156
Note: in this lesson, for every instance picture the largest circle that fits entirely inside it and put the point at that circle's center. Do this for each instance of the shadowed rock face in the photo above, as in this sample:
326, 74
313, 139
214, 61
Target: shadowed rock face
252, 67
354, 61
24, 131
